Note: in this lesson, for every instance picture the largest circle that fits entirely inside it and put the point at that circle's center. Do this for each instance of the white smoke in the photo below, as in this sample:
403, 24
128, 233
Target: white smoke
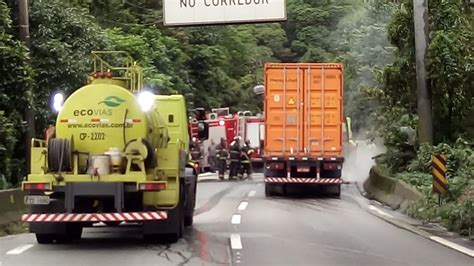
358, 161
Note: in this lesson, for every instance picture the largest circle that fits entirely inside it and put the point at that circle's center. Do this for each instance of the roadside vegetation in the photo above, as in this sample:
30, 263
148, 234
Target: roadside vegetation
450, 67
218, 66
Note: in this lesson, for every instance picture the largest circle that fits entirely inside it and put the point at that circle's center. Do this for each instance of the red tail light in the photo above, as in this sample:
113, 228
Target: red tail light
37, 186
152, 186
331, 166
276, 166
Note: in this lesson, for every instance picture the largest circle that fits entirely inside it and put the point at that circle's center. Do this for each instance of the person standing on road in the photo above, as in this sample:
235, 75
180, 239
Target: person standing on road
221, 156
195, 149
246, 165
211, 156
234, 167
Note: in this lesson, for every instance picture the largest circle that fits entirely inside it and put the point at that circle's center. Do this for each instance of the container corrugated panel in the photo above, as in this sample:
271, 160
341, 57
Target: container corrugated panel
303, 110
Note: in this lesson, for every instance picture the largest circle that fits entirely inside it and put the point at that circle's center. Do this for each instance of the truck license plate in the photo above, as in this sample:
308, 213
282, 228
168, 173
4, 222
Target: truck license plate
303, 169
36, 200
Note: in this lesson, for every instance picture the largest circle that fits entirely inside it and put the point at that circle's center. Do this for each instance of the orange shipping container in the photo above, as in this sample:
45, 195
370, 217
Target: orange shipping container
303, 110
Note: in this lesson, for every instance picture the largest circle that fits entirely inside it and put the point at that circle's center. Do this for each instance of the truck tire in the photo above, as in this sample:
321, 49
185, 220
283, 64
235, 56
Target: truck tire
75, 232
112, 224
176, 215
269, 190
174, 237
45, 238
335, 191
190, 198
47, 233
188, 221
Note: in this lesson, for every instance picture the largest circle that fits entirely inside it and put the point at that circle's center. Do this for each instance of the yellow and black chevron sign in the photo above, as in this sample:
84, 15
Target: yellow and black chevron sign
440, 182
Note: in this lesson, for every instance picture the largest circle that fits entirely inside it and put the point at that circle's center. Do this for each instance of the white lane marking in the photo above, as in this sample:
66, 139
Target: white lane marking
372, 207
453, 245
243, 205
252, 193
236, 218
206, 174
235, 241
20, 249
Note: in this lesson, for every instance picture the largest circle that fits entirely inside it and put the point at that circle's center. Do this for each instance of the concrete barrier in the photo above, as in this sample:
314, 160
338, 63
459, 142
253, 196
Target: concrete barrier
11, 206
390, 191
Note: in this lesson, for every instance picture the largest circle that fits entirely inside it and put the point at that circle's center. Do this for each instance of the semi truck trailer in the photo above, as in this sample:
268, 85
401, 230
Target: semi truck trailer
303, 126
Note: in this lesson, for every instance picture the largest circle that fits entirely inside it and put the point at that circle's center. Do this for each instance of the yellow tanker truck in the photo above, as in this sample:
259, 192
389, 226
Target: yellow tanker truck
118, 154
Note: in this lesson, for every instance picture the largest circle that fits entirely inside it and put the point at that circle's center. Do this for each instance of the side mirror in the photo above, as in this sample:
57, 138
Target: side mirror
203, 130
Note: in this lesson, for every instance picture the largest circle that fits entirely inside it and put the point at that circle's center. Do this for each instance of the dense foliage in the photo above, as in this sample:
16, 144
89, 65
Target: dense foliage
16, 78
450, 61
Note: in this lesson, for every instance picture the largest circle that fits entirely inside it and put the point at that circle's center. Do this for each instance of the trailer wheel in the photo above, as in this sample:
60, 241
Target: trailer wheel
45, 238
334, 191
269, 190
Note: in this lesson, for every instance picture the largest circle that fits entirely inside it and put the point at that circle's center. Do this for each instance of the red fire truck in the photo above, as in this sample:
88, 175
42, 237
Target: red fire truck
252, 128
223, 124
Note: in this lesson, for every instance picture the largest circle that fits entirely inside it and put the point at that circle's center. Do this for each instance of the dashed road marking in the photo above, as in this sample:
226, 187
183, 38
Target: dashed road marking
373, 208
453, 245
236, 218
252, 193
235, 241
20, 249
243, 205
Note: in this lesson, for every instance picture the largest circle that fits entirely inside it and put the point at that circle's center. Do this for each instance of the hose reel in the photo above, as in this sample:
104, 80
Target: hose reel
59, 155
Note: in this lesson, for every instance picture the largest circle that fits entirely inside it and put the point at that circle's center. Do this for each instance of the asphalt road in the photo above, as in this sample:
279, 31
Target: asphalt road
236, 225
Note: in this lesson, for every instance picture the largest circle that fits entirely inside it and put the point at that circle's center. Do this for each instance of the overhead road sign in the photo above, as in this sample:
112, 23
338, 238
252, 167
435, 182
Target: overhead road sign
208, 12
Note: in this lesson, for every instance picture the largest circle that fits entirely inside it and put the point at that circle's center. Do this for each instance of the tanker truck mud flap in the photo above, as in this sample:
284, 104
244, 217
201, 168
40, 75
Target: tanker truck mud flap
171, 229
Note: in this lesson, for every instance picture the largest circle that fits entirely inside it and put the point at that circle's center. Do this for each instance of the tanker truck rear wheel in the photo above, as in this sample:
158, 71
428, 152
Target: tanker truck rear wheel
190, 197
180, 212
188, 220
175, 220
45, 238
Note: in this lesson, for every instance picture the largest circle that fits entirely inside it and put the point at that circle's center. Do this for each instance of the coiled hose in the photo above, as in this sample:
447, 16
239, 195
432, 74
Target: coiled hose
59, 155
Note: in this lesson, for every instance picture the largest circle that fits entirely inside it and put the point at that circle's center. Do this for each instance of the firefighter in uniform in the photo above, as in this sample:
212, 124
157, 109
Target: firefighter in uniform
246, 166
221, 156
234, 167
195, 148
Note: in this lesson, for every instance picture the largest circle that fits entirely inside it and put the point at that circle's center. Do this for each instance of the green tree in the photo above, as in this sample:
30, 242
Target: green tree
364, 49
62, 40
16, 79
